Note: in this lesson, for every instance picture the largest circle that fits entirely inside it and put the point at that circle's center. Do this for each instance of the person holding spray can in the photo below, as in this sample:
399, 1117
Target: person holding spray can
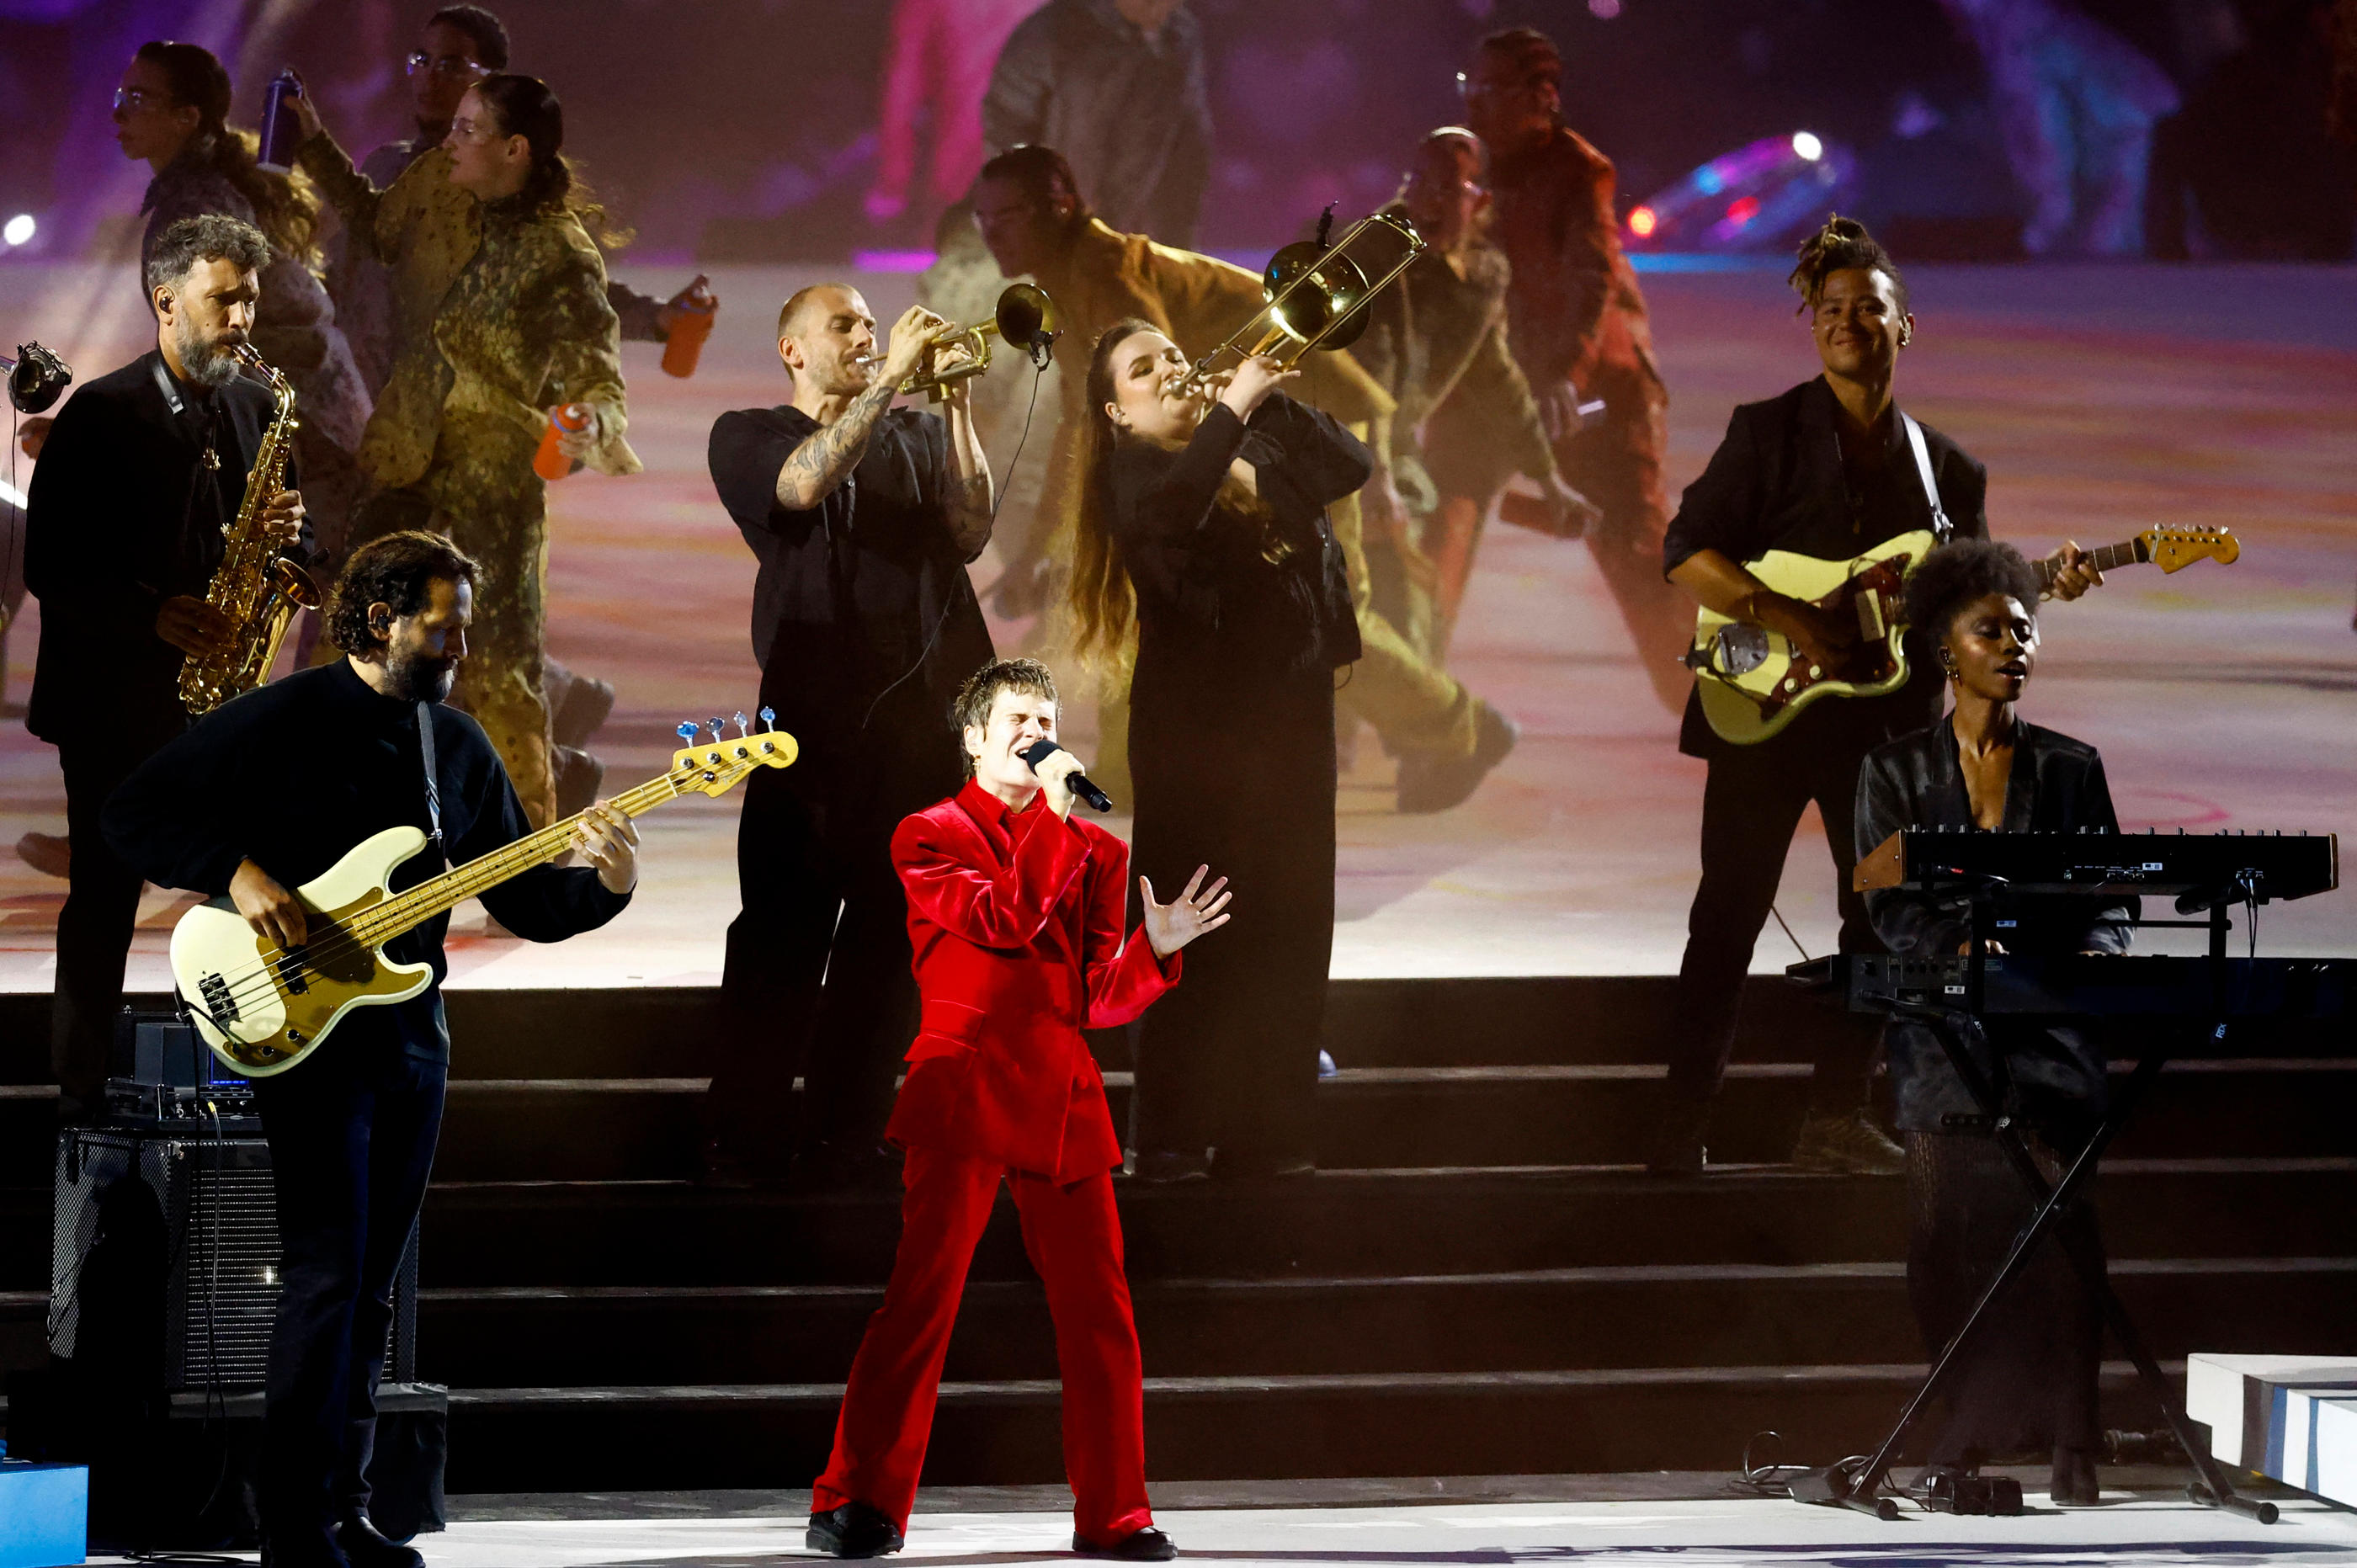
524, 332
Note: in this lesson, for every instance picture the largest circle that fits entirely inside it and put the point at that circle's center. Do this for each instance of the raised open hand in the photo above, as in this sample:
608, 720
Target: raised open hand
1170, 927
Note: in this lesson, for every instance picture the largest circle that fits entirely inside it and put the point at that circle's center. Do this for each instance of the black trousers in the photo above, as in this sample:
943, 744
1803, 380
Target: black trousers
351, 1136
94, 929
817, 979
1229, 1059
1750, 804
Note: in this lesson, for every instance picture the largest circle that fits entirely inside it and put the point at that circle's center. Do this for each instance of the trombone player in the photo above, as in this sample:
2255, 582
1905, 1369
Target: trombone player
862, 518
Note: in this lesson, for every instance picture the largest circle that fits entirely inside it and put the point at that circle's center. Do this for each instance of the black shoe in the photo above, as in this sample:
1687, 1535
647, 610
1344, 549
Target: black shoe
855, 1530
365, 1546
582, 713
2073, 1485
578, 775
1162, 1166
1147, 1545
1677, 1147
313, 1548
1429, 784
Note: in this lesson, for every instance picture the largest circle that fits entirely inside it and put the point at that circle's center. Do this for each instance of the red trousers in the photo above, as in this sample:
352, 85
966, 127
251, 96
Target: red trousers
1074, 1235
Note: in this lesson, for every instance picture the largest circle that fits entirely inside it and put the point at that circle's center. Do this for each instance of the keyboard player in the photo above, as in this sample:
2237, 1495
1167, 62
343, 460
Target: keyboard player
2030, 1386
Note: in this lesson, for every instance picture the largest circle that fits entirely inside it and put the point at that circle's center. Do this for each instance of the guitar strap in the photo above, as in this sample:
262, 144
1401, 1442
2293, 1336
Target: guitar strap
1941, 529
433, 789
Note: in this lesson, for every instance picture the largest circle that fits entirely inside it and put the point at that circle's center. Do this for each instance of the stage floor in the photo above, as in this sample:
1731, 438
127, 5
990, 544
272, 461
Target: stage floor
2127, 1530
2104, 400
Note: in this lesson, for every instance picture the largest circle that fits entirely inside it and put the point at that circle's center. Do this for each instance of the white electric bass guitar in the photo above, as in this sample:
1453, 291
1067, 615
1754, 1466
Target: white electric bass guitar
263, 1009
1753, 682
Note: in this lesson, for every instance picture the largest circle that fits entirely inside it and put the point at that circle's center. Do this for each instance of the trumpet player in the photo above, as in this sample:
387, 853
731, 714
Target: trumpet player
124, 525
862, 518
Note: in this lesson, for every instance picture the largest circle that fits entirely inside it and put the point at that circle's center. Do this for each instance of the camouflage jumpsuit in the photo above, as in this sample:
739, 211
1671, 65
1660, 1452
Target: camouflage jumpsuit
499, 312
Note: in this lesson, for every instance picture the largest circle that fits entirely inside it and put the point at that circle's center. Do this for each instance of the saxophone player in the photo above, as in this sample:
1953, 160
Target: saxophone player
123, 529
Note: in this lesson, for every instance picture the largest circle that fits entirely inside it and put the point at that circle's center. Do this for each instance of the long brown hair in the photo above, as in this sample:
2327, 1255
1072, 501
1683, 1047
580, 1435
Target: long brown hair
527, 107
285, 208
1100, 600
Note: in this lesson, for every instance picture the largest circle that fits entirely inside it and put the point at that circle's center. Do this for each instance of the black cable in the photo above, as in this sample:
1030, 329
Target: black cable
1039, 373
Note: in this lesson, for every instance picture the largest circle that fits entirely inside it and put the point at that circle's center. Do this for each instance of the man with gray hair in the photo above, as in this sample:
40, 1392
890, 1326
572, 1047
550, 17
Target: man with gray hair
123, 533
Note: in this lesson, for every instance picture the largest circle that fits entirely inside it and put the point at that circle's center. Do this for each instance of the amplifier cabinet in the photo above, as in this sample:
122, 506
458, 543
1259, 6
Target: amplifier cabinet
165, 1260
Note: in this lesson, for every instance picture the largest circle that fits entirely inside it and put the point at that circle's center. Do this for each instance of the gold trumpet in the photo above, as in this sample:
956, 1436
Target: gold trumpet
1315, 296
1025, 315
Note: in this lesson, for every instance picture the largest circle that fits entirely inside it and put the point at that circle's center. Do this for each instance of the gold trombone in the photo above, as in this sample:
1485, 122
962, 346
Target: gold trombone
1026, 317
1315, 296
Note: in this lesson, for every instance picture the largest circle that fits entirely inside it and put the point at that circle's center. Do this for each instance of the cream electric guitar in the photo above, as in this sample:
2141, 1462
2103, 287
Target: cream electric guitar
263, 1009
1753, 682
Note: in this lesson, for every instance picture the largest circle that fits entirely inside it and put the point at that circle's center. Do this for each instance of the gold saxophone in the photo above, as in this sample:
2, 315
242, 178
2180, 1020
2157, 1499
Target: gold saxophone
255, 586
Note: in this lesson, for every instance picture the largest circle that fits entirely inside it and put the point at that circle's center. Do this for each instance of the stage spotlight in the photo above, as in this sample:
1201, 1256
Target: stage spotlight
1753, 199
17, 230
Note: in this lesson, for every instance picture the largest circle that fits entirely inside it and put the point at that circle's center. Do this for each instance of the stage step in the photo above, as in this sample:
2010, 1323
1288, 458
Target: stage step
1351, 1223
1007, 1433
1706, 1314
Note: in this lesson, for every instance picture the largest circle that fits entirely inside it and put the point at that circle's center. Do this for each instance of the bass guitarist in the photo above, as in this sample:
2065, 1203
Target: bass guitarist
351, 1133
1829, 469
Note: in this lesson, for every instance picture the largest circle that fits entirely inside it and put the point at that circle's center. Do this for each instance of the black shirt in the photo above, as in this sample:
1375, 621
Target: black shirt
2056, 785
853, 590
124, 512
1212, 609
293, 775
1777, 482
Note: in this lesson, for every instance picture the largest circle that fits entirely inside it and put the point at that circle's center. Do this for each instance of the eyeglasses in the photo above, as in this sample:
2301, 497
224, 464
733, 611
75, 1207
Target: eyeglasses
445, 65
138, 99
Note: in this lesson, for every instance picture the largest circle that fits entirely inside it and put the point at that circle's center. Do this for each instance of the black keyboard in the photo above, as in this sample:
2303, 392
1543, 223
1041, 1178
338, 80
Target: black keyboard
2270, 865
2077, 986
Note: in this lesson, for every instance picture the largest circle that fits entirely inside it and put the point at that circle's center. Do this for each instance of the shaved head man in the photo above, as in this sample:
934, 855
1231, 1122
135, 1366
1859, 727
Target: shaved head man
863, 517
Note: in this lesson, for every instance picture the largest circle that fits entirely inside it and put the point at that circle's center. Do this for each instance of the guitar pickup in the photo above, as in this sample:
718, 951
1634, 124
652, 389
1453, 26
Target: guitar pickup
219, 1005
1870, 624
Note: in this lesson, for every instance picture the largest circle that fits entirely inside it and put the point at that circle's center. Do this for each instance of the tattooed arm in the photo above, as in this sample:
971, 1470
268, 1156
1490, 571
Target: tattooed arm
971, 510
812, 470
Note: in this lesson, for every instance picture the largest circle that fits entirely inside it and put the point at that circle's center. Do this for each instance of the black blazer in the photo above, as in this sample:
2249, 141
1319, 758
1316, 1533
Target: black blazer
122, 515
2056, 785
1208, 600
1776, 483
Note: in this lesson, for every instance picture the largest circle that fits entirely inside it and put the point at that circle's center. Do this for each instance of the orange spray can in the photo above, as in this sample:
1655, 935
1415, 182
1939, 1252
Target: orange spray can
685, 342
566, 419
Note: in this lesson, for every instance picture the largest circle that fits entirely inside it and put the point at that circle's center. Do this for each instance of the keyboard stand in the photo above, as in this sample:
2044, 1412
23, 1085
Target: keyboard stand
1860, 1488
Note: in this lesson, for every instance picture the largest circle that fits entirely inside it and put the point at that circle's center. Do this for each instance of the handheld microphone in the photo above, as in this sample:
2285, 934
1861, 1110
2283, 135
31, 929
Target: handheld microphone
1039, 751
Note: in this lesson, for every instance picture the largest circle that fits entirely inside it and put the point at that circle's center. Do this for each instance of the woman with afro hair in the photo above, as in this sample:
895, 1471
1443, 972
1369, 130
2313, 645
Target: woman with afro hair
2029, 1383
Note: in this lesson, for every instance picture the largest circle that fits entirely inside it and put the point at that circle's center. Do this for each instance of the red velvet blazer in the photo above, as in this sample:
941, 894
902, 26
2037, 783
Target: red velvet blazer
1016, 923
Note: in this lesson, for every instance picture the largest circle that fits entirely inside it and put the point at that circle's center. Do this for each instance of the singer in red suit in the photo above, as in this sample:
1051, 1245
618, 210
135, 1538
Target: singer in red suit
1015, 913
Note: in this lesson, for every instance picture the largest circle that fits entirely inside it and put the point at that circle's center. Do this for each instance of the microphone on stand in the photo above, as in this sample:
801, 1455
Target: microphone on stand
1039, 751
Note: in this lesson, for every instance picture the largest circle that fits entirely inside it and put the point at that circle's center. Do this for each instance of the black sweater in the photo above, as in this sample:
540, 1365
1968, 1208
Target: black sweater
1209, 602
293, 775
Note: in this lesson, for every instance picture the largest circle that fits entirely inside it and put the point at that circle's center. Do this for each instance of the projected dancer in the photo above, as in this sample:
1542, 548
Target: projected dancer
353, 1131
863, 517
459, 46
2028, 1382
1202, 526
1827, 470
1015, 911
523, 328
1436, 342
1579, 330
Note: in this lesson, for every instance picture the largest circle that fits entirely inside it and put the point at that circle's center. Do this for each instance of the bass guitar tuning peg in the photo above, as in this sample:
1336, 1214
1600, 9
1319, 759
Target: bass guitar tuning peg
713, 724
769, 718
687, 732
737, 718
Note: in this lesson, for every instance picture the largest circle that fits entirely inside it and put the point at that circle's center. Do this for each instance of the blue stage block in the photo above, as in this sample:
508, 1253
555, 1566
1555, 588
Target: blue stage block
44, 1514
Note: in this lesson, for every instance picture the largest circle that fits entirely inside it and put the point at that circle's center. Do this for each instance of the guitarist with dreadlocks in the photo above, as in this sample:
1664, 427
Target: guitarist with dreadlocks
1829, 469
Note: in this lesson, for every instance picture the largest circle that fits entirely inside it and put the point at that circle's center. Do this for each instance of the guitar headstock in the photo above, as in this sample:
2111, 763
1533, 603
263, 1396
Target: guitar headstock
2174, 549
722, 762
